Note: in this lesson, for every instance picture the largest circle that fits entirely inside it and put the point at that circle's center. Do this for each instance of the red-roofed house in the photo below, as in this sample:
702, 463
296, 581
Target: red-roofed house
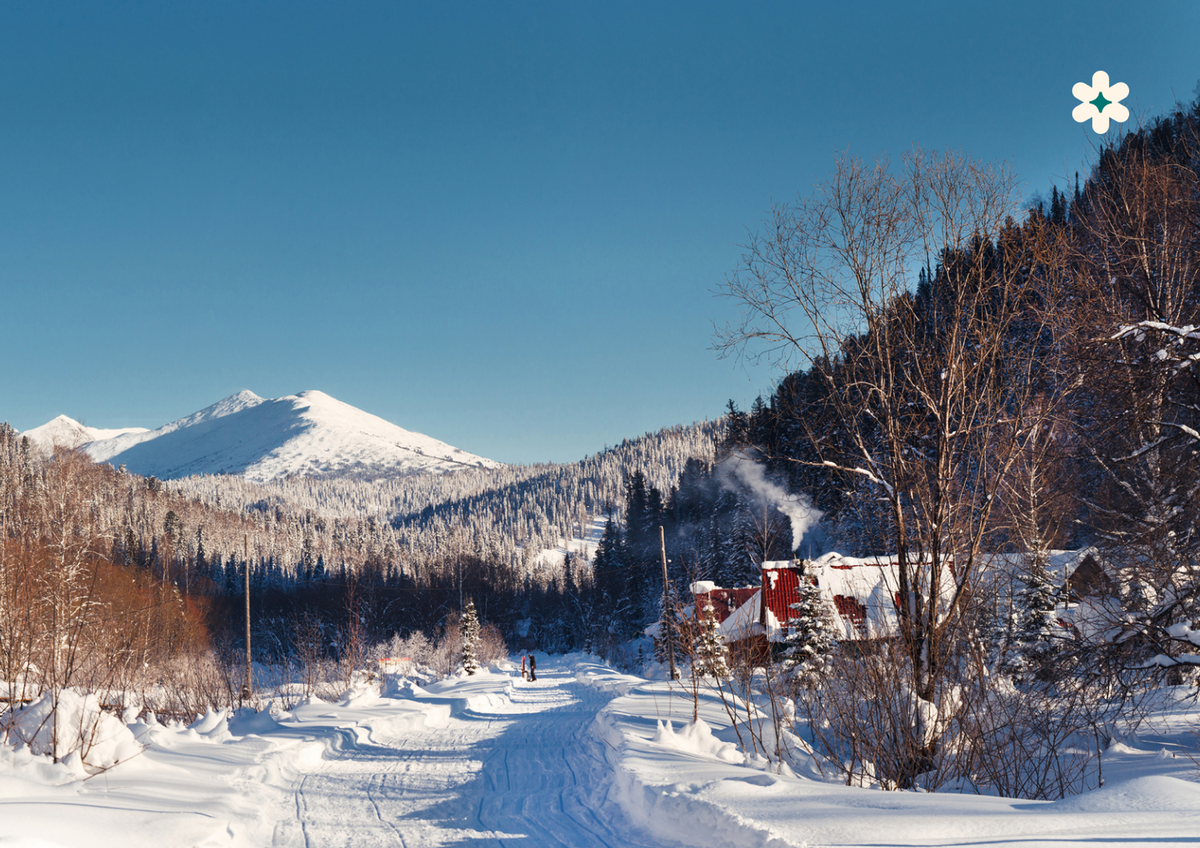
861, 595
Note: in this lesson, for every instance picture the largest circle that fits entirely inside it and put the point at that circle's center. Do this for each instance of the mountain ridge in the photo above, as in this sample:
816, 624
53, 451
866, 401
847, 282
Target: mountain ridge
307, 434
66, 432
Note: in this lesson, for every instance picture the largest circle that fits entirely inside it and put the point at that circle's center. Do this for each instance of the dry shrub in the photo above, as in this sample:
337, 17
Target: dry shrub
310, 651
416, 646
492, 647
1036, 742
869, 725
447, 652
1039, 740
184, 686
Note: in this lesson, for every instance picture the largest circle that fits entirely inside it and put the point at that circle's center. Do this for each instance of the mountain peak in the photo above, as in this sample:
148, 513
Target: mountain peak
315, 395
244, 396
60, 431
227, 406
306, 434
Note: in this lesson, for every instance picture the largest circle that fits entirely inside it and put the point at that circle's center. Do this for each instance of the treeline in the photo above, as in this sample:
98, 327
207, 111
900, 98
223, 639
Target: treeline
516, 511
720, 522
71, 614
336, 565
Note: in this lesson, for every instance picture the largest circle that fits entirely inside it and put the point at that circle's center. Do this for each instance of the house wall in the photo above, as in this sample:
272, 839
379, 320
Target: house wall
724, 601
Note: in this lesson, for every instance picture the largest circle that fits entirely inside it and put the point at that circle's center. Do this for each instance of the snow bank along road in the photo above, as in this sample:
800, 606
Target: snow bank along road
514, 763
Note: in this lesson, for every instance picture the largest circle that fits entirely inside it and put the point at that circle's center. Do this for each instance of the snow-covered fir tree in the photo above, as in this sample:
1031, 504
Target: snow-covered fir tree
809, 640
470, 639
710, 656
1037, 636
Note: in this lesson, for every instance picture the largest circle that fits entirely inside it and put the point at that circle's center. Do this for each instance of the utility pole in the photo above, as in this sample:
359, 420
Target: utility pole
247, 689
667, 611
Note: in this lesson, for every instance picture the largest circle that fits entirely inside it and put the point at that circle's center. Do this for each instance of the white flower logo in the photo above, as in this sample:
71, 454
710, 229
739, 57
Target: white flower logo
1101, 101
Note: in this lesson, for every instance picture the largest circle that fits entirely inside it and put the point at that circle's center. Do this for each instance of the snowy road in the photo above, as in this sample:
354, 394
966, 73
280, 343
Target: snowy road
585, 757
525, 769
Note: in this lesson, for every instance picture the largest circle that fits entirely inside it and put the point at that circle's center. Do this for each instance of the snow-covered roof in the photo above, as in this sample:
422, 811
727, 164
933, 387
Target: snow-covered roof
1059, 564
743, 622
860, 593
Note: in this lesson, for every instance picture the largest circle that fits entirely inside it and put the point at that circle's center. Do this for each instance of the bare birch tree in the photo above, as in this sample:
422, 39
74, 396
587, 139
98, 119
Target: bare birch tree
933, 392
1139, 294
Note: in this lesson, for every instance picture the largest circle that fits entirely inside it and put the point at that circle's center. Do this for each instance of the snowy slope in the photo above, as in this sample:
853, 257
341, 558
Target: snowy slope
104, 449
309, 434
69, 433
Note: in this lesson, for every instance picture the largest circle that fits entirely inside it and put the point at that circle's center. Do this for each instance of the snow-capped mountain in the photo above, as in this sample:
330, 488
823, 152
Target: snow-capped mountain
309, 434
69, 433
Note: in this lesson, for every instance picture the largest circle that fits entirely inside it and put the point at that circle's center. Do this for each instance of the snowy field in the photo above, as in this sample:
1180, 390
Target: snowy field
585, 756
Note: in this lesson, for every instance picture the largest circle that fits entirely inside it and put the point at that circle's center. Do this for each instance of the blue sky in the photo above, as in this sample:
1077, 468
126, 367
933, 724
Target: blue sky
499, 224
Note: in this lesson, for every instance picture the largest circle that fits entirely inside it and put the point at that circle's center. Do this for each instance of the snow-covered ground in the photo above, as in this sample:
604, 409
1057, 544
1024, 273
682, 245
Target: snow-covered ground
585, 756
585, 547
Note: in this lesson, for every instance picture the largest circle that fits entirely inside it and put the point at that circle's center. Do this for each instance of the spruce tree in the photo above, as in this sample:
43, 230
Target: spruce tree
744, 565
738, 427
727, 552
1036, 631
809, 641
470, 639
710, 658
612, 580
201, 556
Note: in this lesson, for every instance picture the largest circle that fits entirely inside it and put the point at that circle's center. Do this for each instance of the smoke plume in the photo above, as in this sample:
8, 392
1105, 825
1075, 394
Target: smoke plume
797, 508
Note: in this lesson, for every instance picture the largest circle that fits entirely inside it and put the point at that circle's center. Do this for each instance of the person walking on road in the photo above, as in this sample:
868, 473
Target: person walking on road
532, 667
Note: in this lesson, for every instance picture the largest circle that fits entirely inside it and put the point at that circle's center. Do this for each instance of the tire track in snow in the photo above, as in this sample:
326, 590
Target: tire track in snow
379, 813
518, 774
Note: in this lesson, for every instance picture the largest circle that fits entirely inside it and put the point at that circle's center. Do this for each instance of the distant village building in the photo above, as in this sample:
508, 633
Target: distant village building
725, 601
1090, 578
861, 594
397, 665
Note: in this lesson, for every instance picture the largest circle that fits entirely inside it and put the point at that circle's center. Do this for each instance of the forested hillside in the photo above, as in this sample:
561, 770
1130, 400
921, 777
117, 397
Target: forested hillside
351, 561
